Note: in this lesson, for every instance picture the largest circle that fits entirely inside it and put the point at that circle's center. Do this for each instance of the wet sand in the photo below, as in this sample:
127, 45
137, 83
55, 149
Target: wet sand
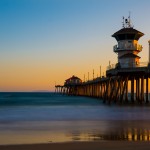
104, 145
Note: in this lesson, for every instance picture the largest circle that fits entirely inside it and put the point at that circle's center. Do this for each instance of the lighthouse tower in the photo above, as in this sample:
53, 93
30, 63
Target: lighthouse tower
128, 47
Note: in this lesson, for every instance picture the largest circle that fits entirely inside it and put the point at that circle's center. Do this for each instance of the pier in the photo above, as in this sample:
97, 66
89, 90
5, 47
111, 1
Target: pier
125, 82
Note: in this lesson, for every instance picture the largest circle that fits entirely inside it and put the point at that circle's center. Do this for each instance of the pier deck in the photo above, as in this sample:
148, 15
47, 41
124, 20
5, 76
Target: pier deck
120, 86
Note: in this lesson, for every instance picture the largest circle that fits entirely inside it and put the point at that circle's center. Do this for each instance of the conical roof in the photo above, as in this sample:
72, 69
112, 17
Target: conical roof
128, 33
73, 78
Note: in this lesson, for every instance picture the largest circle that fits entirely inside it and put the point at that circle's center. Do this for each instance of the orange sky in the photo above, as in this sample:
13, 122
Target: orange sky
46, 42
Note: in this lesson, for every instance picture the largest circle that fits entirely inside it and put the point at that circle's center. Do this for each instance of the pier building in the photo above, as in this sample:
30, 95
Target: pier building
127, 81
127, 47
73, 81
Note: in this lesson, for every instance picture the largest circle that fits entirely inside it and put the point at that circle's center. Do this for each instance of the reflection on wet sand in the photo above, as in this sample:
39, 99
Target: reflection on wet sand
126, 135
136, 132
69, 131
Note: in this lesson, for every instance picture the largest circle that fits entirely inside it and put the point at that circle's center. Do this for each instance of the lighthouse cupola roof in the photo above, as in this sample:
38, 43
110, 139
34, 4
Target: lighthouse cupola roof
127, 32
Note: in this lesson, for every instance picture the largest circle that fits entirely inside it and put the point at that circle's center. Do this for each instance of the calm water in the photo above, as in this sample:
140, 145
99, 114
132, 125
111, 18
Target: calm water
49, 117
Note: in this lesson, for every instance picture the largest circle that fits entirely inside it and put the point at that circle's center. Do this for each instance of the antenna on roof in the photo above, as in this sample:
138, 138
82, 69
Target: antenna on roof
123, 22
127, 22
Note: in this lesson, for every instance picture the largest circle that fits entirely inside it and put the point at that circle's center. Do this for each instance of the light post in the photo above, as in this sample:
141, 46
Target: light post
149, 52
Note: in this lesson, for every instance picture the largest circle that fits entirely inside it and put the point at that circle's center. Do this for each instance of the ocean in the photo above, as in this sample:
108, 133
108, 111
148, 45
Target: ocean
34, 117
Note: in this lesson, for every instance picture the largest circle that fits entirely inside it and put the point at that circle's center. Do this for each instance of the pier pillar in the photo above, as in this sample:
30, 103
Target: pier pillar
97, 90
100, 90
137, 89
116, 97
88, 90
107, 89
147, 89
104, 90
132, 89
121, 91
142, 89
92, 90
61, 89
126, 94
116, 88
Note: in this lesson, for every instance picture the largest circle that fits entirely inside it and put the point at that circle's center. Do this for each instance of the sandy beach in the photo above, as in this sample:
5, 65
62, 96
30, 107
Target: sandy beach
104, 145
70, 123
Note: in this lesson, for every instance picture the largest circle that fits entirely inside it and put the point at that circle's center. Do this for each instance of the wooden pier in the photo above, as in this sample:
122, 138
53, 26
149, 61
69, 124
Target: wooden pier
119, 86
127, 81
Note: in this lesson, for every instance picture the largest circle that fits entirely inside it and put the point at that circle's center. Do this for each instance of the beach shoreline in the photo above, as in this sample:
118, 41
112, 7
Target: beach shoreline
107, 145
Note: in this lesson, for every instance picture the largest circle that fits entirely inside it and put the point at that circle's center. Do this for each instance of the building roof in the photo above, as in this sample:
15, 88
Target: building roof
130, 31
127, 30
129, 55
73, 78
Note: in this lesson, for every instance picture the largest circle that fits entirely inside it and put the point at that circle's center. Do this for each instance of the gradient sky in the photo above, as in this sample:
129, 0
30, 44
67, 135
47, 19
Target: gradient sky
47, 41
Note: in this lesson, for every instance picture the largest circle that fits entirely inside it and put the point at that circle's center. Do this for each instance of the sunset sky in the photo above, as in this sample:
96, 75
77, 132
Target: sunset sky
47, 41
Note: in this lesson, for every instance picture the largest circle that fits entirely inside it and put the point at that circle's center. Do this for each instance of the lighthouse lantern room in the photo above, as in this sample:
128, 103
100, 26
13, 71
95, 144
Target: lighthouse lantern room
128, 47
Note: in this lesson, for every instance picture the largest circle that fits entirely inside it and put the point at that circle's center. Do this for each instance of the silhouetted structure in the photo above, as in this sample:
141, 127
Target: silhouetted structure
128, 71
73, 81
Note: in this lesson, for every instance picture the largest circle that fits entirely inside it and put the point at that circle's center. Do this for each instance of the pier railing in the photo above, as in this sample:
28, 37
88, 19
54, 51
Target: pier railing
120, 85
138, 47
127, 65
